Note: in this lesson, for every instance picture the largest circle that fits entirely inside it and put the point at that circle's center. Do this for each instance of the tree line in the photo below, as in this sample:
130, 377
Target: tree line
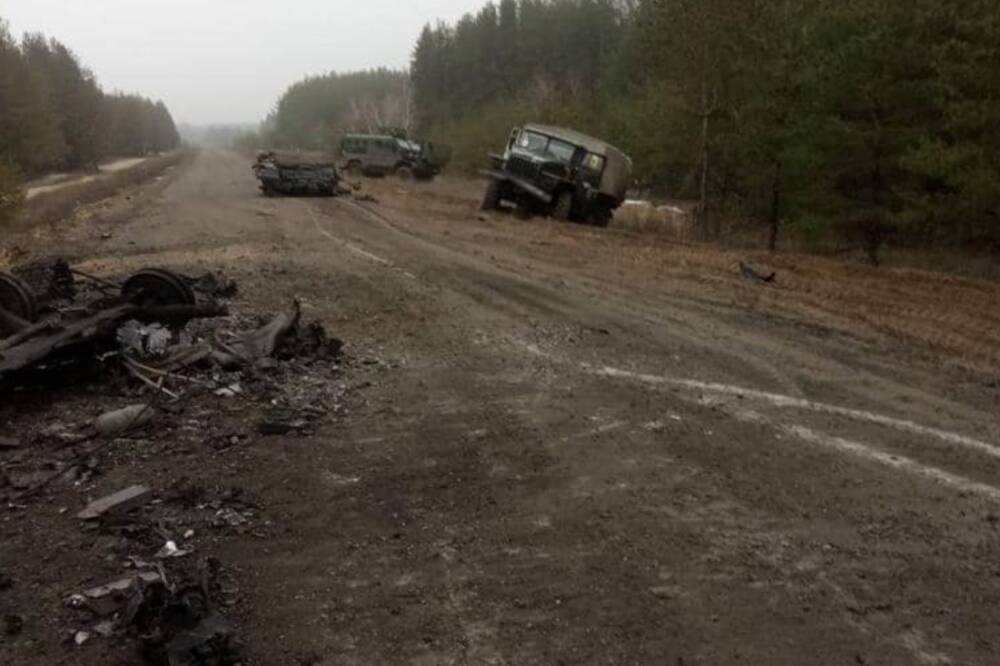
314, 113
867, 120
54, 115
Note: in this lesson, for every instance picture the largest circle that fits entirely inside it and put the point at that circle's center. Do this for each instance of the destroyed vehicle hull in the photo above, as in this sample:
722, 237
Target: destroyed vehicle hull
297, 181
75, 337
294, 174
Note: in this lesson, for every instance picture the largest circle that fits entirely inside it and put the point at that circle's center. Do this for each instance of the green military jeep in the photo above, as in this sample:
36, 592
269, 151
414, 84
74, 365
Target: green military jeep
390, 154
559, 172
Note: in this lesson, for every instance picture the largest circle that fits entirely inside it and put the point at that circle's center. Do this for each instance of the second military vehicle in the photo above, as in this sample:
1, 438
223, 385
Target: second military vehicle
391, 154
559, 172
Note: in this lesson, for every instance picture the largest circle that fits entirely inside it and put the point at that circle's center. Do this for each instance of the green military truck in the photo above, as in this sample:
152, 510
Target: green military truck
560, 173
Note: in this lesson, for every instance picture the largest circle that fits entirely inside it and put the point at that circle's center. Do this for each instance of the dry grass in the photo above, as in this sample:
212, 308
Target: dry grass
57, 205
952, 317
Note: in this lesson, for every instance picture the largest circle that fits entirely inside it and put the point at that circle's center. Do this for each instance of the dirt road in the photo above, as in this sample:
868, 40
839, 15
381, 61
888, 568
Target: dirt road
578, 446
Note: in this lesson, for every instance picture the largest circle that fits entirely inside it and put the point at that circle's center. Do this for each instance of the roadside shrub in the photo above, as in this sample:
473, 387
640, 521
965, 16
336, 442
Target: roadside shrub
11, 192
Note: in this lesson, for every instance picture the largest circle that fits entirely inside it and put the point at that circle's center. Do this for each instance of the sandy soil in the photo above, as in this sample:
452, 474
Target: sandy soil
567, 445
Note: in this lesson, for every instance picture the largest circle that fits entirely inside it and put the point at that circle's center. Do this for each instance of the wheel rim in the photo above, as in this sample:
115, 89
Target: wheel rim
153, 287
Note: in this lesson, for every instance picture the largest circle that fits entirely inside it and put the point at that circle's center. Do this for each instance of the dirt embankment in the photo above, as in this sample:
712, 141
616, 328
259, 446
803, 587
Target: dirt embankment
53, 202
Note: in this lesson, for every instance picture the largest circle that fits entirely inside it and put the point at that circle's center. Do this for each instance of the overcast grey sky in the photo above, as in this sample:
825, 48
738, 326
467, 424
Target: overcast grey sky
215, 61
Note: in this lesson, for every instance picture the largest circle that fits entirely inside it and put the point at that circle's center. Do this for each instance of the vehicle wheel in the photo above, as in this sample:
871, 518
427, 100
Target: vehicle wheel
155, 287
403, 172
18, 298
524, 209
563, 210
355, 169
600, 217
491, 200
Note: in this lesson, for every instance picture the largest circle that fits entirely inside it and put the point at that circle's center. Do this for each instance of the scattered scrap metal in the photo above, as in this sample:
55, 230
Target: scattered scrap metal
162, 339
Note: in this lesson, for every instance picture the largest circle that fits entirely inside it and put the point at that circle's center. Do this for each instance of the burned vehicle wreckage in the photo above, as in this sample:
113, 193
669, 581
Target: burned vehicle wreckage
49, 336
295, 174
559, 172
32, 342
199, 377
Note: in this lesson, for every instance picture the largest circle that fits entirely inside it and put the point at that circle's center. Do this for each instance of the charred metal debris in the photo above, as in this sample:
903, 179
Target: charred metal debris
180, 374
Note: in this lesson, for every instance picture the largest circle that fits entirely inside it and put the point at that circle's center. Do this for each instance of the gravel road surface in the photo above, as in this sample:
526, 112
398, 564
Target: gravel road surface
579, 446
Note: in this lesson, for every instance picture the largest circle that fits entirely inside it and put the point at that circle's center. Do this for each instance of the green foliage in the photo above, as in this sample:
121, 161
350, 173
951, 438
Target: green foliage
869, 120
316, 112
54, 115
11, 191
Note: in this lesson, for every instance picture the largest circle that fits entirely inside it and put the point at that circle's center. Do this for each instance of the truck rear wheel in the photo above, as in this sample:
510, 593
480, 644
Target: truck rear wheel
491, 200
403, 172
355, 169
600, 216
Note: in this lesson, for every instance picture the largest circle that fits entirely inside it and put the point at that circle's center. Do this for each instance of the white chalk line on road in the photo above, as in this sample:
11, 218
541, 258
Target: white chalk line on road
808, 435
852, 447
955, 481
860, 450
779, 400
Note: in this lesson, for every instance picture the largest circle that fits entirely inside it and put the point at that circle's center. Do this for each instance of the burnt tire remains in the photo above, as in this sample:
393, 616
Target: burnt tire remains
158, 287
18, 298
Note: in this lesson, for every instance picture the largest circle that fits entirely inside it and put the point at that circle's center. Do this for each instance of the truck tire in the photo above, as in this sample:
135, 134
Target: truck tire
355, 169
491, 200
403, 172
600, 216
563, 208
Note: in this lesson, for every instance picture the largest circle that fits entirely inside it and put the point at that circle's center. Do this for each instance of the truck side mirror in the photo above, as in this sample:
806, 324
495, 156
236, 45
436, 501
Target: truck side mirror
513, 138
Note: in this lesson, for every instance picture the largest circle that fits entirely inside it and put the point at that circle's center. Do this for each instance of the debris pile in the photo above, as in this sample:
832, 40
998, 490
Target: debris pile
153, 365
166, 600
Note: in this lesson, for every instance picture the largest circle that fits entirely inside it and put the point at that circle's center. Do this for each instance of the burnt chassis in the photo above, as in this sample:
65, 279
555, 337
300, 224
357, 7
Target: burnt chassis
32, 339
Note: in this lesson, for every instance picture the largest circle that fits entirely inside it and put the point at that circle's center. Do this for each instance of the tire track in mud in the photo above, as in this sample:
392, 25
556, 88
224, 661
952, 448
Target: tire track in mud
519, 288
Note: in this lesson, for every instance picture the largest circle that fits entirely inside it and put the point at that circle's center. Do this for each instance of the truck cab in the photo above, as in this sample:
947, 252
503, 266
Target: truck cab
559, 172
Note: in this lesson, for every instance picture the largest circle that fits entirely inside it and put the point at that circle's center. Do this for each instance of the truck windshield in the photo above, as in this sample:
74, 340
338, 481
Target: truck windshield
546, 147
533, 143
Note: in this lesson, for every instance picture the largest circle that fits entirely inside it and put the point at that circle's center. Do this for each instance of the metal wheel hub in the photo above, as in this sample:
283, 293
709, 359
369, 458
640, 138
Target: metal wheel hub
153, 287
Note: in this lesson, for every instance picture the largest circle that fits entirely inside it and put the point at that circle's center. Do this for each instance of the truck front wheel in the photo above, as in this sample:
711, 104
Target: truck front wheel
491, 200
563, 210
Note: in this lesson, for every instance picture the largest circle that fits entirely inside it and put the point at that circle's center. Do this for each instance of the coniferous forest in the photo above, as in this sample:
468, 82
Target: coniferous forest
881, 117
54, 115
